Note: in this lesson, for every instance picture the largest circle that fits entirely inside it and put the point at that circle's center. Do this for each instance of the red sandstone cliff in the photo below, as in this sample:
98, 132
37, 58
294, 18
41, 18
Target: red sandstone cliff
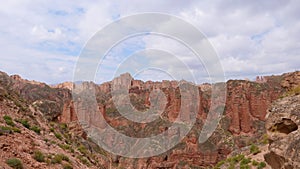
245, 110
243, 118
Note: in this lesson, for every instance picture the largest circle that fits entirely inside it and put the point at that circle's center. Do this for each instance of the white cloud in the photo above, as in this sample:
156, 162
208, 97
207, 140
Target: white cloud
250, 37
42, 33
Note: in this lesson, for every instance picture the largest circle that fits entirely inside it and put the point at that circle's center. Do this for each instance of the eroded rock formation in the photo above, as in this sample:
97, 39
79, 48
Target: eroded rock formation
244, 114
283, 129
242, 119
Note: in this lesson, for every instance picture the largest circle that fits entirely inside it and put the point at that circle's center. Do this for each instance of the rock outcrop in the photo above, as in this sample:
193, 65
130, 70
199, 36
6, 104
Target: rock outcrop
283, 129
247, 102
291, 80
64, 85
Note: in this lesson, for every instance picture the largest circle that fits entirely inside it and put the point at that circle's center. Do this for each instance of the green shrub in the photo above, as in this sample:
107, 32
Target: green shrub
58, 158
254, 149
5, 129
39, 156
14, 163
64, 157
82, 149
245, 161
254, 163
220, 163
63, 126
36, 129
10, 130
65, 146
84, 160
261, 165
6, 117
238, 158
16, 130
58, 136
24, 123
8, 120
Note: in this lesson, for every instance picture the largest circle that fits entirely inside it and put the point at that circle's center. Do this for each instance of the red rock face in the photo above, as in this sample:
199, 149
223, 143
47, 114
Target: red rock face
68, 114
248, 101
246, 104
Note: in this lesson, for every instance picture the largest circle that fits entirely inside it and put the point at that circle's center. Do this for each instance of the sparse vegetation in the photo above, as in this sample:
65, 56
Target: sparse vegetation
239, 161
220, 163
84, 160
8, 120
63, 126
254, 149
245, 161
261, 165
58, 158
14, 163
36, 129
58, 136
255, 163
291, 92
294, 91
9, 130
24, 122
39, 156
65, 146
64, 157
82, 149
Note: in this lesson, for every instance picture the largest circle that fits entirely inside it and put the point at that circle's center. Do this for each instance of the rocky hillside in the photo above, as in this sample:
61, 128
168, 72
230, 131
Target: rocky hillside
39, 123
31, 136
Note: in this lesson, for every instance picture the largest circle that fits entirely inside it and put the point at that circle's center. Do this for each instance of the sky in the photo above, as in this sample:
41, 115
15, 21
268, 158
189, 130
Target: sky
42, 40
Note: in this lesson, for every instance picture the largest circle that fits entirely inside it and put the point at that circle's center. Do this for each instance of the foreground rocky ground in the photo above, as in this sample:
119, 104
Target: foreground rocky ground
39, 125
283, 129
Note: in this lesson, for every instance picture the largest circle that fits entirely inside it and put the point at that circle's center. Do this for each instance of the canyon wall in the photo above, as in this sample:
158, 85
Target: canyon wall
245, 111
